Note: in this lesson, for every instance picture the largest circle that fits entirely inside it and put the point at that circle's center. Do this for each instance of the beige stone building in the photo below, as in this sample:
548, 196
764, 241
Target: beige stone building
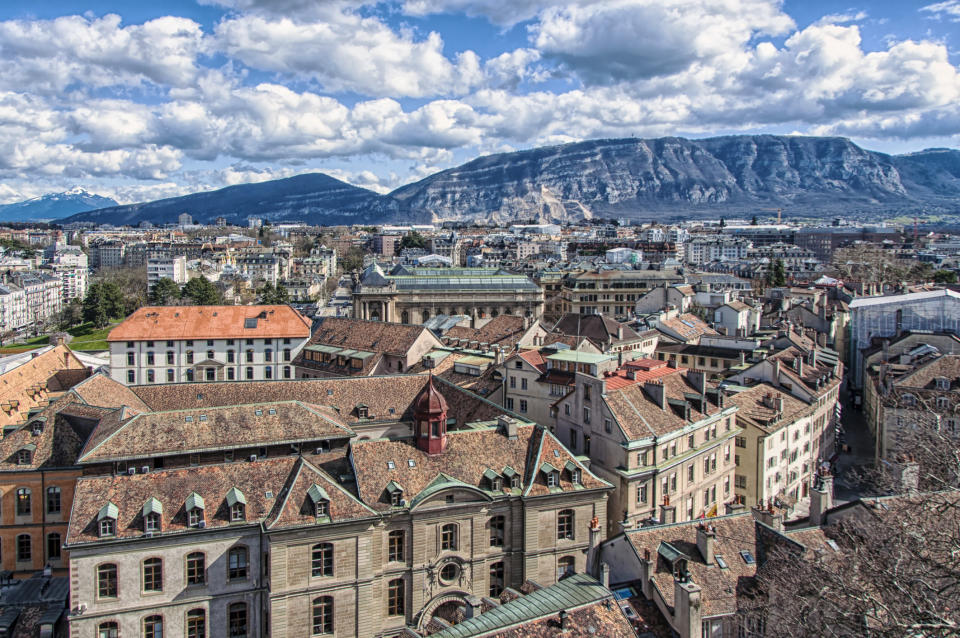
663, 436
413, 295
347, 507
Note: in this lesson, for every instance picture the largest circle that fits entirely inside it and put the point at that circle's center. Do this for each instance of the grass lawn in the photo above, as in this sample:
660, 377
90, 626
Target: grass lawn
85, 338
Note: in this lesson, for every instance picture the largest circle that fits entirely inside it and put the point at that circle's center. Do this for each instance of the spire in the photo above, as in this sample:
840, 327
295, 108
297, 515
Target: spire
430, 419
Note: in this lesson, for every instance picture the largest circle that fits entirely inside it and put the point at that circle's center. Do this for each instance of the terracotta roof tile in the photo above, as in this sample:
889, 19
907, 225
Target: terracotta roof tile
640, 417
101, 390
371, 336
36, 381
172, 487
754, 405
297, 508
206, 429
504, 330
211, 322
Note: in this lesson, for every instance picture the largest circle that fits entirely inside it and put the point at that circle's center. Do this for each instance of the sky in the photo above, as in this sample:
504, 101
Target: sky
142, 100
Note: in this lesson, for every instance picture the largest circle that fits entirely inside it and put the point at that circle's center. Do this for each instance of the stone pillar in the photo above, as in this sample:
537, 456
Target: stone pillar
821, 497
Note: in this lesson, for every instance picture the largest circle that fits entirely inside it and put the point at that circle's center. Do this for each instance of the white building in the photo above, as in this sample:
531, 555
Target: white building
207, 343
13, 308
174, 268
702, 250
623, 256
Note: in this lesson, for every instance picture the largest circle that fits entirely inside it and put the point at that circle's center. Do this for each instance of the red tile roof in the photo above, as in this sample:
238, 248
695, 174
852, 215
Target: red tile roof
154, 323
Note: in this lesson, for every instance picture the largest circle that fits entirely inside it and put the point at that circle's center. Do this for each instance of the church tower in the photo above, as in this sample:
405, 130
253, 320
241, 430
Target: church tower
430, 417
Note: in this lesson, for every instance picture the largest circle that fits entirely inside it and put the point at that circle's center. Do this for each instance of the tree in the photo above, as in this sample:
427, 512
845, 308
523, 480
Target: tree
352, 260
413, 239
165, 292
201, 292
70, 314
945, 277
777, 275
753, 222
723, 222
895, 571
132, 284
273, 295
104, 301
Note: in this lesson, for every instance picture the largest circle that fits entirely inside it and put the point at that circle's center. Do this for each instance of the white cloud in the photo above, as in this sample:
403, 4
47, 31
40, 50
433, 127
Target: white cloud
949, 10
51, 55
344, 51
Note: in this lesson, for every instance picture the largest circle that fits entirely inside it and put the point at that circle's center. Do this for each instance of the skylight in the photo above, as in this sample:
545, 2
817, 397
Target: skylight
721, 562
747, 557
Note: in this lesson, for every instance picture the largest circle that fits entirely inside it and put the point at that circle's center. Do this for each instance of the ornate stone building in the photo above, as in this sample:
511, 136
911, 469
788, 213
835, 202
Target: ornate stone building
413, 295
349, 507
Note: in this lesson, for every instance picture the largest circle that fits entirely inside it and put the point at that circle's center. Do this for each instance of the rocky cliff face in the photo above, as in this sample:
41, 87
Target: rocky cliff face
631, 176
662, 178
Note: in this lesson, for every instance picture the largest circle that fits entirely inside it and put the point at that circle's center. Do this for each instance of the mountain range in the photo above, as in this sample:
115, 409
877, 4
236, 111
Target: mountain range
53, 206
661, 178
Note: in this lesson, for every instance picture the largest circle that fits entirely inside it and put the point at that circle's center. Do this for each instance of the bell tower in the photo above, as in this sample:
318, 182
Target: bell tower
430, 419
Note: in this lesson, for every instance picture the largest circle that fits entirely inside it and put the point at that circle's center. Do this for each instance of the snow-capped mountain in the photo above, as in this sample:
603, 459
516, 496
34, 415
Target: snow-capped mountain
54, 206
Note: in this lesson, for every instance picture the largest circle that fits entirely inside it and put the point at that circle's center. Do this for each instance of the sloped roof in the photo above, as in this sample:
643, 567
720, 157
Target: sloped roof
157, 323
37, 379
370, 336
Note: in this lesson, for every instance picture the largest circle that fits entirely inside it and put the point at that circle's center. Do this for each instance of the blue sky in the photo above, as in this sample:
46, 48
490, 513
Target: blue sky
140, 100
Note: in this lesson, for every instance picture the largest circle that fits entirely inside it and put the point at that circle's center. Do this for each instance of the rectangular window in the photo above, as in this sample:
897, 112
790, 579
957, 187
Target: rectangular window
642, 493
509, 403
586, 415
513, 382
523, 384
523, 405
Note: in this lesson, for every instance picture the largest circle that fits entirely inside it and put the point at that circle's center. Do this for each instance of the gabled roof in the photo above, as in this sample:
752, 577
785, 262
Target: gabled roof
309, 482
370, 336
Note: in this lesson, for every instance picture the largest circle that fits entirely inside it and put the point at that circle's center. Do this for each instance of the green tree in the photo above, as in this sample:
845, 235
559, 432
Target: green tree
273, 295
777, 276
723, 222
413, 239
164, 292
104, 301
352, 260
945, 277
70, 314
201, 292
753, 222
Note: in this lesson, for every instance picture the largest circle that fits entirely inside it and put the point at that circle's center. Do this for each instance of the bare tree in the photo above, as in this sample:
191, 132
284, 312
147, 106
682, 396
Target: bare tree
896, 571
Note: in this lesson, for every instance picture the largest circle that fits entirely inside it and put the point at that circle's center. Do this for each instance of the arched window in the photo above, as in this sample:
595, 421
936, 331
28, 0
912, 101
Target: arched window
497, 524
54, 545
107, 580
565, 567
196, 568
237, 620
565, 524
237, 563
448, 537
153, 627
108, 630
196, 623
24, 548
153, 575
53, 500
321, 560
496, 579
395, 545
396, 601
323, 615
23, 501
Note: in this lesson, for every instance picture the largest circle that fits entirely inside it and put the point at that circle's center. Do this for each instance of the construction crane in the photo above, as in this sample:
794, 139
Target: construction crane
779, 212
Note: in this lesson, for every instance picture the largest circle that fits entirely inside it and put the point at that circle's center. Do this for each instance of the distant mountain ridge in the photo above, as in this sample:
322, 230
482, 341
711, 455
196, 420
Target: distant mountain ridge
53, 206
663, 177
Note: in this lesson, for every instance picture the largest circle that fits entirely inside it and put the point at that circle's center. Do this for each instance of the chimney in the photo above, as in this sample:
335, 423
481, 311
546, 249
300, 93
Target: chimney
657, 393
769, 516
698, 379
497, 355
906, 475
821, 496
812, 357
778, 404
594, 532
668, 512
776, 372
474, 607
798, 365
706, 537
507, 425
564, 621
605, 575
620, 332
646, 574
687, 620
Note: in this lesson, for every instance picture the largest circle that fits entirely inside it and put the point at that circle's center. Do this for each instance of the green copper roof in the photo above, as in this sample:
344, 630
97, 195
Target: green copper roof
317, 494
570, 593
438, 484
194, 501
108, 511
152, 506
235, 496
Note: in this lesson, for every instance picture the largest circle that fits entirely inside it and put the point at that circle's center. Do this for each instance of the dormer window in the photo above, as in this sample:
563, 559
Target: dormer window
320, 500
395, 492
194, 507
107, 520
237, 503
553, 479
25, 454
909, 399
943, 383
515, 482
152, 512
577, 476
362, 411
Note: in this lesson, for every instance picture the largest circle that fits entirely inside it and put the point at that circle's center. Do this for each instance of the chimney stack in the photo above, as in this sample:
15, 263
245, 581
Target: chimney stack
821, 496
474, 607
507, 425
769, 516
687, 620
657, 393
706, 537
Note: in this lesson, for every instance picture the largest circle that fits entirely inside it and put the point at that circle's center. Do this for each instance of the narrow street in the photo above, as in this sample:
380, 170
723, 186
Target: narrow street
861, 455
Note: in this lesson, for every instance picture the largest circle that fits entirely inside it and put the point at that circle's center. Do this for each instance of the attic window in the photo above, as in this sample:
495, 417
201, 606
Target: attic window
188, 419
362, 411
203, 417
747, 557
330, 393
199, 396
258, 412
23, 456
391, 465
271, 411
411, 463
721, 563
392, 410
943, 383
250, 323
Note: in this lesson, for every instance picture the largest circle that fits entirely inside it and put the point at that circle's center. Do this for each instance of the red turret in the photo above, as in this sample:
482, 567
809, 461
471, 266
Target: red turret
430, 419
